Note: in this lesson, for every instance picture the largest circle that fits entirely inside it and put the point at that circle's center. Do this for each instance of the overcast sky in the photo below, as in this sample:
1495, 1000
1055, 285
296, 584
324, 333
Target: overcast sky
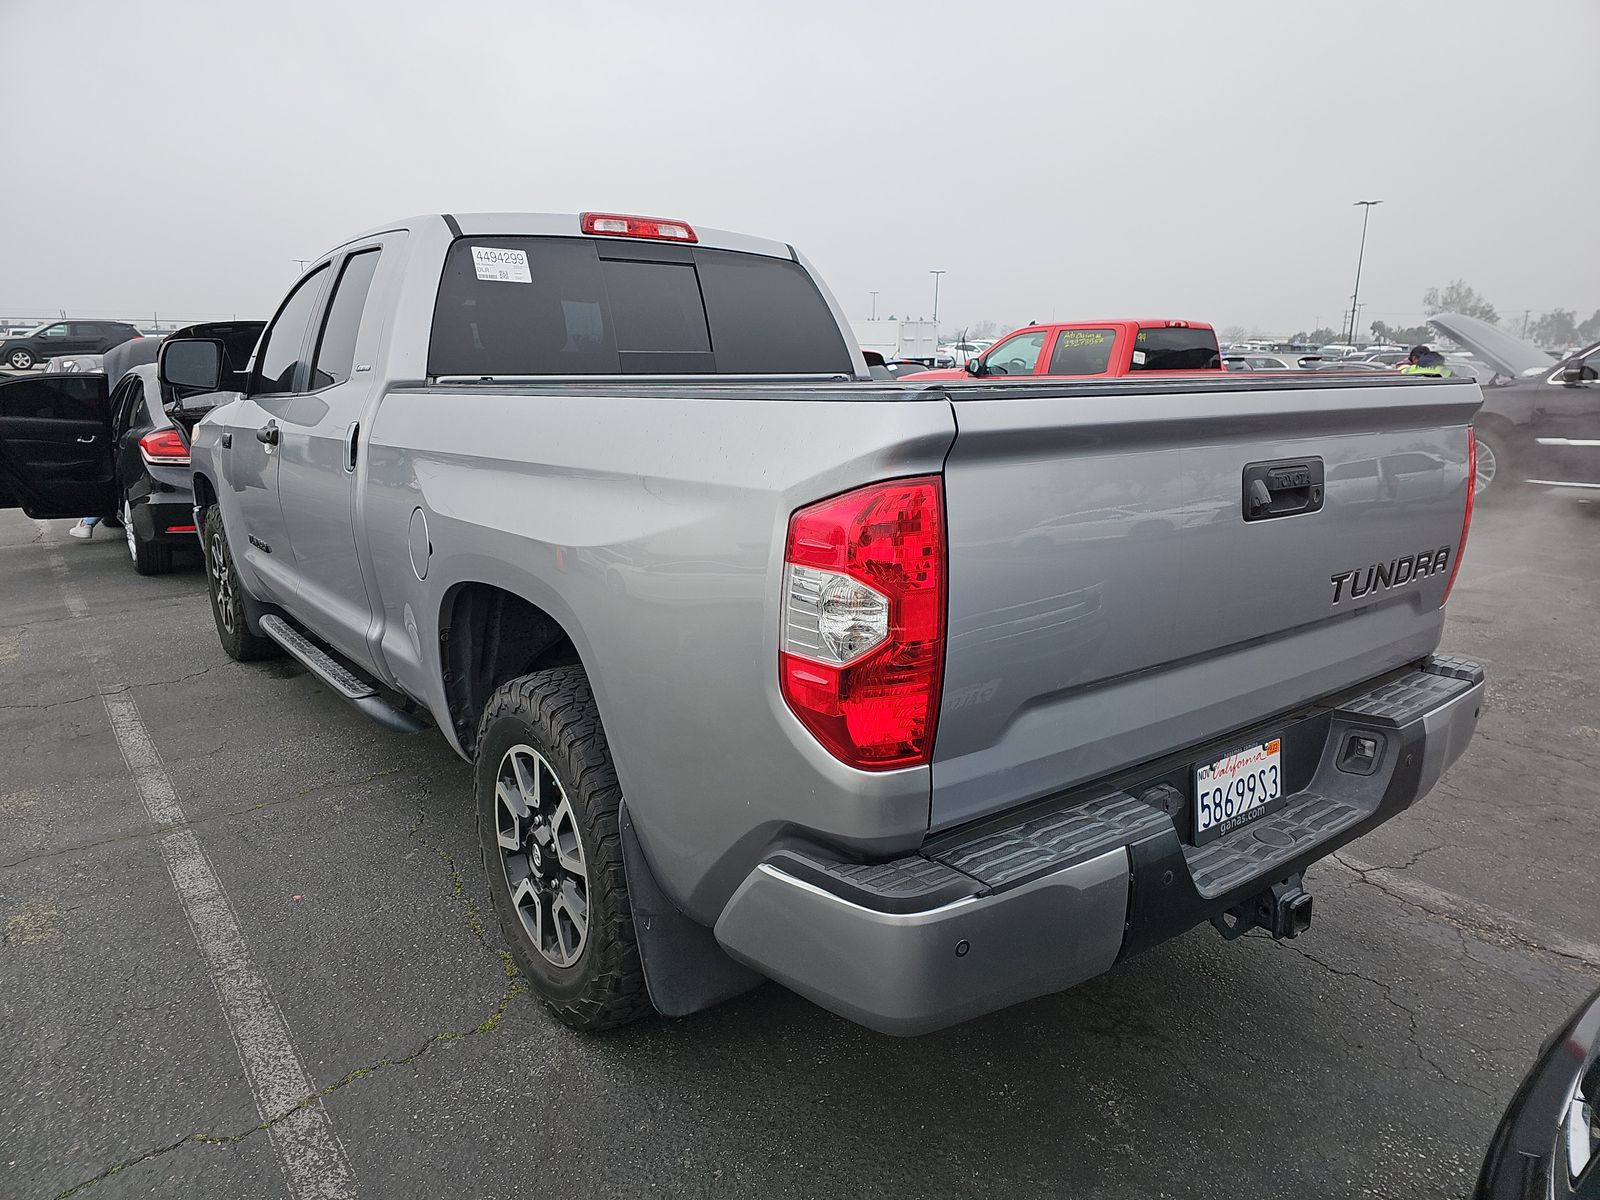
1063, 159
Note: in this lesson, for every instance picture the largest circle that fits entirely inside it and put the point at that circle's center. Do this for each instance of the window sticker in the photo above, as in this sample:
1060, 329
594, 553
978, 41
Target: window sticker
501, 266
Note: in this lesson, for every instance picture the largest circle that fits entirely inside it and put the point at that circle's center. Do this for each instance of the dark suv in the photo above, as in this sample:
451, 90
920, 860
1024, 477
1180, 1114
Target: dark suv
64, 337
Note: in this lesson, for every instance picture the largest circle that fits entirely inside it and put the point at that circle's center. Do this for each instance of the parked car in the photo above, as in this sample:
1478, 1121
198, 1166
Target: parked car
64, 337
1347, 365
880, 368
1540, 422
885, 756
138, 472
1094, 349
1253, 361
74, 362
1548, 1142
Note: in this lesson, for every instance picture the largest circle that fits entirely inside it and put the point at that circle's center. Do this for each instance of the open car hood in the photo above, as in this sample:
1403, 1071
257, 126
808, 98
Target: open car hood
1506, 353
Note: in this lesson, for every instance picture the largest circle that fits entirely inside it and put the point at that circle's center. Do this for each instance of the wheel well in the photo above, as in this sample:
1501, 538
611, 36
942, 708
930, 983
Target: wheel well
488, 635
204, 494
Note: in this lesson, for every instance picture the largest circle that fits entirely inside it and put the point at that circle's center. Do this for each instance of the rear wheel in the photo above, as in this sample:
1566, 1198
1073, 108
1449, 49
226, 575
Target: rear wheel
149, 557
227, 597
20, 359
548, 805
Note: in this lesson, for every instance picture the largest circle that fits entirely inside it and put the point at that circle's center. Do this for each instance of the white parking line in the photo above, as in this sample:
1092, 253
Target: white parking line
314, 1163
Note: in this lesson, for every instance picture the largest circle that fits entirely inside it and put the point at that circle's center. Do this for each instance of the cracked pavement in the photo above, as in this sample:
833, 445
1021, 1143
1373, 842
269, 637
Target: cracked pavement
1370, 1057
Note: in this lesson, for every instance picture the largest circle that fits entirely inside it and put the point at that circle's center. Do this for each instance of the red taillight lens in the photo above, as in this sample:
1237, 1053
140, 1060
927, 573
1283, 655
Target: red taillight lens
1466, 517
862, 654
164, 448
619, 225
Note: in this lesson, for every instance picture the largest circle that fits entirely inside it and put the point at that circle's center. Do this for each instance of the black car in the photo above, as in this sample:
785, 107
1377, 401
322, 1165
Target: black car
1548, 1143
1540, 421
55, 462
64, 337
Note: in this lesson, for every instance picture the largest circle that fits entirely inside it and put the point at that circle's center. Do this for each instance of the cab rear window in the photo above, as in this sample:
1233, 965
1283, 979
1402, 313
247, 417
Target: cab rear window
590, 306
1174, 348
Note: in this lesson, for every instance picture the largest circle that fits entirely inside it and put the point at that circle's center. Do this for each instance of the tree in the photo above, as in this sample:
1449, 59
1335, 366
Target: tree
1403, 335
1457, 297
1556, 329
1319, 337
1589, 331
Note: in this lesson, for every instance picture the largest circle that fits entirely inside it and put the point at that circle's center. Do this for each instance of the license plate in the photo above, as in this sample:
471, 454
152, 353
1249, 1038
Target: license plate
1237, 789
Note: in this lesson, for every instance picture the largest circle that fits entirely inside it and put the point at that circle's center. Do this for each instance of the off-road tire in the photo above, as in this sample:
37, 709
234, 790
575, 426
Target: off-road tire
554, 713
149, 557
227, 603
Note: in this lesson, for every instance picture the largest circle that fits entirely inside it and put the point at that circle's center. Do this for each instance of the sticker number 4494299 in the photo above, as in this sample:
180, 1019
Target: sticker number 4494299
499, 265
1237, 789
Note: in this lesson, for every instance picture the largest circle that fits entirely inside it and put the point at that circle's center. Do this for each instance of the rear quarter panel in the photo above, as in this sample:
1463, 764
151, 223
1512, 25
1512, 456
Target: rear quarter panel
651, 526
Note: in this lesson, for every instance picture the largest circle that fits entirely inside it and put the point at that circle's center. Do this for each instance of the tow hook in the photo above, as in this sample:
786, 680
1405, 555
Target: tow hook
1283, 910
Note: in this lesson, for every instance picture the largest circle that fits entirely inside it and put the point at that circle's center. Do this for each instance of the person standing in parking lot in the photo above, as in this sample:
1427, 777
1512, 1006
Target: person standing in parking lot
1424, 361
84, 528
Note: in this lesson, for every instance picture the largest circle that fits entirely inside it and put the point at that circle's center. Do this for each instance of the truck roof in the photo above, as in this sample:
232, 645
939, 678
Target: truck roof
531, 224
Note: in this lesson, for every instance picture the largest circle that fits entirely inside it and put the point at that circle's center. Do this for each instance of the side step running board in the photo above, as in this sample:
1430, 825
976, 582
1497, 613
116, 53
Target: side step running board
339, 677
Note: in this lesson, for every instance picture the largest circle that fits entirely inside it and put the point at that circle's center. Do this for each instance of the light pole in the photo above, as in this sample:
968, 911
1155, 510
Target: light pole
936, 275
874, 305
1366, 207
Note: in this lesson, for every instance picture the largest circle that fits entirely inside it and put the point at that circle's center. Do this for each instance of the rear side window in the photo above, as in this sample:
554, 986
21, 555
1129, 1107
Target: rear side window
1174, 348
1082, 351
336, 349
580, 306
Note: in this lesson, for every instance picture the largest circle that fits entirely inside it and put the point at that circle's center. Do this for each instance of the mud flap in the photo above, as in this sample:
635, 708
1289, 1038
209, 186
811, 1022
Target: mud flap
684, 968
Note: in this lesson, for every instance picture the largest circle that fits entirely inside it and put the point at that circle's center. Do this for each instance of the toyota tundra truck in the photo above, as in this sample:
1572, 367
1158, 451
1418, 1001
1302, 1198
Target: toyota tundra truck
919, 699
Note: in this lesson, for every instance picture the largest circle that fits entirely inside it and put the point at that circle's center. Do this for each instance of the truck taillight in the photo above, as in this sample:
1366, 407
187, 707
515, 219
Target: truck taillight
620, 225
164, 448
862, 647
1466, 516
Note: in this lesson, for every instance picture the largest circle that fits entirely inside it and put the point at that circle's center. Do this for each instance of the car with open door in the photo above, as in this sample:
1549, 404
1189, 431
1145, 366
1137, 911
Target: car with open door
1540, 421
150, 465
55, 445
92, 444
70, 446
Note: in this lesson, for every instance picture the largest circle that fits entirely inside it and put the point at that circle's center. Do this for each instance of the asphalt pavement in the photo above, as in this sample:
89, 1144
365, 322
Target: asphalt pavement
251, 956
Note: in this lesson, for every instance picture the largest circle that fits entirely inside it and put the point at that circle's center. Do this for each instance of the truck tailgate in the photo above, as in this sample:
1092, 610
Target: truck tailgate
1110, 603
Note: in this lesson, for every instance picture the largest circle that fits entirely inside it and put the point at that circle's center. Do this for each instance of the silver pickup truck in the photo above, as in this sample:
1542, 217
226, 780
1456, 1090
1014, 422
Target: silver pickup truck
919, 699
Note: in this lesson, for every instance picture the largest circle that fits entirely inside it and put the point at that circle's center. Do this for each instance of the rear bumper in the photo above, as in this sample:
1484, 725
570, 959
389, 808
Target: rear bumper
1058, 893
166, 517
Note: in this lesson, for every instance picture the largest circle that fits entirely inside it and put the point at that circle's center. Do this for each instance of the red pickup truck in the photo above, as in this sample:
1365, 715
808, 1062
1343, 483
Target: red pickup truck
1103, 349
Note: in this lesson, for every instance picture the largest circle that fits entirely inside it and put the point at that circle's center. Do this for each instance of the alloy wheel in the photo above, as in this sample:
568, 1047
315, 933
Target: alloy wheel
1486, 467
221, 580
127, 529
20, 361
541, 854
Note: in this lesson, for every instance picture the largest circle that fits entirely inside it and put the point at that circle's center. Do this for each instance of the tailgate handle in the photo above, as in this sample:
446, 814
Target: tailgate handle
1284, 488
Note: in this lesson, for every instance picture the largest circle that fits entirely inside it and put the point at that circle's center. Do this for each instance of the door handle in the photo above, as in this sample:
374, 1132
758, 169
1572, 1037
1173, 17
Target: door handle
268, 434
1282, 489
86, 441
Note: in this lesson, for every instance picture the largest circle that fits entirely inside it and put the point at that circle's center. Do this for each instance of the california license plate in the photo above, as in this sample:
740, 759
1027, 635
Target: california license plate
1237, 789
